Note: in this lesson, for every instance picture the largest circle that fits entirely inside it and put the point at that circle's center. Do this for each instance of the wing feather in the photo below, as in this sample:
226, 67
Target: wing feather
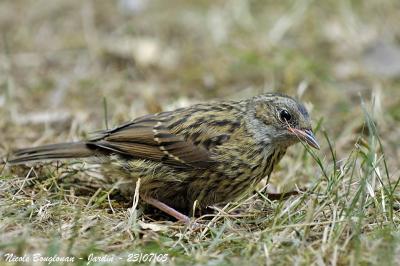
150, 138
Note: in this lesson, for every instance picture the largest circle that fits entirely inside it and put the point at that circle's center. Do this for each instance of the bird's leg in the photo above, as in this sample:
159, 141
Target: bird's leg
167, 209
277, 196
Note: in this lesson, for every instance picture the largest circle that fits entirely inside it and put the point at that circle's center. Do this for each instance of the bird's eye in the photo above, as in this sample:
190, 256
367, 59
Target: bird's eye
285, 116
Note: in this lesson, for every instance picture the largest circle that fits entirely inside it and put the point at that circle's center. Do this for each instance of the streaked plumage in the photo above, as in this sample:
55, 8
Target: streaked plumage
208, 153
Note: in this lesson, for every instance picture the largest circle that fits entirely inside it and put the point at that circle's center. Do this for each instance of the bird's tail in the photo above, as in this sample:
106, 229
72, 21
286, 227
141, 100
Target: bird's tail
51, 152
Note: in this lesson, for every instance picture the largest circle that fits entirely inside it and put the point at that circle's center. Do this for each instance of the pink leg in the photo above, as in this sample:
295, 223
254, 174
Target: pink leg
277, 196
165, 208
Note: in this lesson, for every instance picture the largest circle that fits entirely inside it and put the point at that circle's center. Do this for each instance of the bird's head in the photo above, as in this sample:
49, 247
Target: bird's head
280, 119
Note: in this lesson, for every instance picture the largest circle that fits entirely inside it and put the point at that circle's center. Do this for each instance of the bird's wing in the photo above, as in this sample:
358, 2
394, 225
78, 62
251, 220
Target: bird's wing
154, 137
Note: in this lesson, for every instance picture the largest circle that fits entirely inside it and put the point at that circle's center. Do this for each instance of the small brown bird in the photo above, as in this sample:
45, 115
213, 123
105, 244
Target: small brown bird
200, 155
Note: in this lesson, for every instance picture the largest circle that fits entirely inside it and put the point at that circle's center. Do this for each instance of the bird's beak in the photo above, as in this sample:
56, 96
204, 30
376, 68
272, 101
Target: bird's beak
306, 135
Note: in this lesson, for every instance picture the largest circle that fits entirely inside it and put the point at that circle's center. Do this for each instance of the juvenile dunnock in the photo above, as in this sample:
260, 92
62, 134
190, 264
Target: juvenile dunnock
204, 154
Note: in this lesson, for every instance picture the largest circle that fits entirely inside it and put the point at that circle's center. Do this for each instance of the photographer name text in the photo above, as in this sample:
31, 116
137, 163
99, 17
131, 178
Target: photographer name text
91, 258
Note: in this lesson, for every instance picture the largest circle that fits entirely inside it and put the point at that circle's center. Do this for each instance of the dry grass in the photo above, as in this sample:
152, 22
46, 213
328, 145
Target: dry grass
62, 62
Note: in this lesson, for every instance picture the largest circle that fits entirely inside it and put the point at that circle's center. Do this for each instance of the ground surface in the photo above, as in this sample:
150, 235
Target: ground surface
62, 62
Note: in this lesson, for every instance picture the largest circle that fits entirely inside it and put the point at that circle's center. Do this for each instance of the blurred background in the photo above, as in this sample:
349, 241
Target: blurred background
63, 63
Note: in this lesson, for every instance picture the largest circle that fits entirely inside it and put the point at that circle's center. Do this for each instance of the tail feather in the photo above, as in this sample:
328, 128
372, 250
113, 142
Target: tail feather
51, 152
